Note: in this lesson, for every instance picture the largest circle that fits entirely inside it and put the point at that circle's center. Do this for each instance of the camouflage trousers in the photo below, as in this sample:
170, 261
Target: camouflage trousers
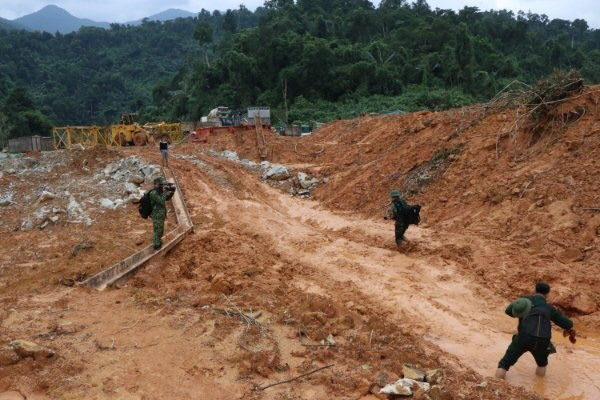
159, 229
401, 227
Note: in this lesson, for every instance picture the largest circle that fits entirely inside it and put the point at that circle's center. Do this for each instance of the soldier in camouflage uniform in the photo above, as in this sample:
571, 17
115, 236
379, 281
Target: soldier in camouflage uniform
397, 211
158, 199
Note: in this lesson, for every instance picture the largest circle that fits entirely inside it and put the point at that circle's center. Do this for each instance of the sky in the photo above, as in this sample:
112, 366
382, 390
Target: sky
127, 10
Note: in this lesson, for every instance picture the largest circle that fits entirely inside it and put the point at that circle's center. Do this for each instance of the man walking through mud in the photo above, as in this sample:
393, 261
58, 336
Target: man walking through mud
158, 199
534, 330
397, 210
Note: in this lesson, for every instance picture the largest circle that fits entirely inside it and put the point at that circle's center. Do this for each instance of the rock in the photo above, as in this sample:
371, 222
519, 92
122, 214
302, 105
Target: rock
11, 395
403, 387
133, 198
1, 174
434, 376
325, 180
26, 349
305, 182
131, 188
46, 196
328, 341
11, 171
107, 203
265, 164
8, 357
277, 173
303, 192
249, 164
482, 385
54, 219
73, 208
584, 304
41, 216
230, 155
57, 210
120, 175
26, 224
412, 372
110, 169
6, 200
136, 179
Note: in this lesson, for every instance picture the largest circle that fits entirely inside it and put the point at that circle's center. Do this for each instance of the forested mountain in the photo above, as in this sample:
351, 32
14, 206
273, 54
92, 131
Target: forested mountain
330, 58
54, 19
171, 13
317, 59
6, 24
91, 76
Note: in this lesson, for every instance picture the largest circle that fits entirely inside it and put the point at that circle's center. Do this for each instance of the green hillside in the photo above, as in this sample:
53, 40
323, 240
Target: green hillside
319, 59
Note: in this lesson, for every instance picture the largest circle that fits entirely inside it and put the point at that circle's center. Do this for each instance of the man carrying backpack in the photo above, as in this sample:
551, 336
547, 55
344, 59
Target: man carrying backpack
403, 214
158, 199
534, 331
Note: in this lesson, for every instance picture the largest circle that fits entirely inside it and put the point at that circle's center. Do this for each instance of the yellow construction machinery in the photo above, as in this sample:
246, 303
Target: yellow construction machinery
127, 133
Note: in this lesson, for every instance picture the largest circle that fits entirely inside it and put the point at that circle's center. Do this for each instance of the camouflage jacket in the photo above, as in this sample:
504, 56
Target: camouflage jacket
158, 199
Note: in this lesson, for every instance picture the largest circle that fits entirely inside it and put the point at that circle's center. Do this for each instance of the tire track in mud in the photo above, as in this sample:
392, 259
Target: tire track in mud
420, 289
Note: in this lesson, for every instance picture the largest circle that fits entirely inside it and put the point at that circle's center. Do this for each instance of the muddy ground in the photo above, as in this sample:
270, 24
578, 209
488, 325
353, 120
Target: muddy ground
309, 269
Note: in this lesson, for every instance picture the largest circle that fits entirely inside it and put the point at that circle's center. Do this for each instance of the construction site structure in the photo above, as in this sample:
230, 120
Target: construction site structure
127, 133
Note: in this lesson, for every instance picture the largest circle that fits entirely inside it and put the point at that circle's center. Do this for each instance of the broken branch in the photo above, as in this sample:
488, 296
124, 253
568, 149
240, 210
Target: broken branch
256, 388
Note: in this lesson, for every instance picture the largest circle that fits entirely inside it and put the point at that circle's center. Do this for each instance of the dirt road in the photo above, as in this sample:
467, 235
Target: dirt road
442, 302
311, 272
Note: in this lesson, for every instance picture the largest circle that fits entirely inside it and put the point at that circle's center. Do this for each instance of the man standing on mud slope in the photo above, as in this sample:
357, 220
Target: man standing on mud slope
158, 199
534, 331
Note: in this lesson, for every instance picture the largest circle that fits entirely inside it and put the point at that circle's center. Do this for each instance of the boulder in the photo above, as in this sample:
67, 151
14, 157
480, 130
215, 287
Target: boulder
110, 169
412, 372
107, 203
41, 215
403, 387
277, 173
249, 164
26, 349
149, 170
8, 357
133, 198
130, 188
73, 208
434, 376
230, 155
120, 175
46, 196
136, 179
26, 224
6, 200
